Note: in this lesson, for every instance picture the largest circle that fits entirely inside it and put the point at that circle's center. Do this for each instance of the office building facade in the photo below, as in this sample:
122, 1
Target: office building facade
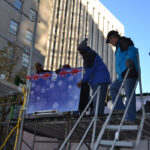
60, 26
71, 22
19, 28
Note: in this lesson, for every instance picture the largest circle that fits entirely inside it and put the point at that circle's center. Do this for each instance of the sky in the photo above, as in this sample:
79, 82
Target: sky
135, 16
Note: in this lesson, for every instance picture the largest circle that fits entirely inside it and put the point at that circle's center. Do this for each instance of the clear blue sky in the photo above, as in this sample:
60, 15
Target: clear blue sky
135, 16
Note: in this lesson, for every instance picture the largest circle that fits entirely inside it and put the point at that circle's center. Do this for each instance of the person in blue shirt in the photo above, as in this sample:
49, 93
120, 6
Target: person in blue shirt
125, 58
95, 73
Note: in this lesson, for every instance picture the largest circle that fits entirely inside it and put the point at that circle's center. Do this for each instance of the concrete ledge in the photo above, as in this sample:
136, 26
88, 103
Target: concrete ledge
7, 88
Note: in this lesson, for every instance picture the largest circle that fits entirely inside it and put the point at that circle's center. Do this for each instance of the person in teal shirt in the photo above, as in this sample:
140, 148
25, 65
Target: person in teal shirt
125, 58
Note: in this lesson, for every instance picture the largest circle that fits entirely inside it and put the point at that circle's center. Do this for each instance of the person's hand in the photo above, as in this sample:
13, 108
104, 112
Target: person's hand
130, 64
79, 84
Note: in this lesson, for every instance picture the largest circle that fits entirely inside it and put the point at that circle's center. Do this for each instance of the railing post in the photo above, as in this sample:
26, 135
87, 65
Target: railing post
108, 118
95, 120
28, 84
142, 104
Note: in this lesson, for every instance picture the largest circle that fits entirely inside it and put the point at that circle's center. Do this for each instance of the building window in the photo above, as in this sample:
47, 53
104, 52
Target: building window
13, 27
27, 50
25, 59
29, 36
18, 4
32, 14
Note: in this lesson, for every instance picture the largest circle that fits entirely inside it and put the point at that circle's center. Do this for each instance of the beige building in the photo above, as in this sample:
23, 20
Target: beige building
71, 22
61, 25
17, 30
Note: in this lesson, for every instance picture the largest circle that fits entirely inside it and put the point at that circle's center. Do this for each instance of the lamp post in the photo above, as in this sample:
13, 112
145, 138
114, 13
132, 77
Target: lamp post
28, 84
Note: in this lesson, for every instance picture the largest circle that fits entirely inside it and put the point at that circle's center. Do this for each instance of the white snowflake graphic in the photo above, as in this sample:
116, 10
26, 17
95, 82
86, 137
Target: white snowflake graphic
32, 92
70, 103
70, 78
33, 85
54, 77
60, 83
37, 88
38, 98
43, 90
51, 85
75, 97
55, 105
70, 87
47, 81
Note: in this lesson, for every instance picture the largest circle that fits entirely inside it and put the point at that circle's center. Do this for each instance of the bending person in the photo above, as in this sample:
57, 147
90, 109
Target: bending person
96, 74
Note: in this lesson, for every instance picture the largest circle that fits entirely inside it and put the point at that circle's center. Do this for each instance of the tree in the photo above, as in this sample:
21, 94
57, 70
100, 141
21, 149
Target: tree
10, 56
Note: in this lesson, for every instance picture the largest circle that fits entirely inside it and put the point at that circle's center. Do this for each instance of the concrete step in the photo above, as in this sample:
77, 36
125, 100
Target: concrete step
124, 127
118, 143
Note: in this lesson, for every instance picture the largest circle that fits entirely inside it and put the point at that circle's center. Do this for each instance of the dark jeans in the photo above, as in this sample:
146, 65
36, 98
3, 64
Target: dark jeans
103, 93
84, 96
128, 87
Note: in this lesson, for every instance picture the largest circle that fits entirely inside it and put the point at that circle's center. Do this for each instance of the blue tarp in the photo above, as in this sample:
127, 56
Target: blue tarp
56, 92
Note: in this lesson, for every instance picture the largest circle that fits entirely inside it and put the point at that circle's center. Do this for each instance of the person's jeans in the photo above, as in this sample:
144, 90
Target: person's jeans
128, 87
103, 93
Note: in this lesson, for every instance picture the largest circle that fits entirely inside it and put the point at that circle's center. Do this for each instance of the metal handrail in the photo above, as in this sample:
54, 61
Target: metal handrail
108, 118
123, 118
79, 145
94, 120
143, 110
75, 125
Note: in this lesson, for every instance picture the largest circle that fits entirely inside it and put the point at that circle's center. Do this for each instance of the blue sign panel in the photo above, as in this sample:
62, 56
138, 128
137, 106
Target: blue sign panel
51, 91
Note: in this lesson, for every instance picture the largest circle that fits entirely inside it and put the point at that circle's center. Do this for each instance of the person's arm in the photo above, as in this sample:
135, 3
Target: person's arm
89, 71
131, 57
130, 64
86, 76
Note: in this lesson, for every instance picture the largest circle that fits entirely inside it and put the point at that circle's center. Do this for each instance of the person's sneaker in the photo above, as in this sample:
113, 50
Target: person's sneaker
129, 122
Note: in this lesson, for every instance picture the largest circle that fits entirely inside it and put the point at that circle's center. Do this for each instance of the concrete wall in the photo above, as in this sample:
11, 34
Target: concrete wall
54, 144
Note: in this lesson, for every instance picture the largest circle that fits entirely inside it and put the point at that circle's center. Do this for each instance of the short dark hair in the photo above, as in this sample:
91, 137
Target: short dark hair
112, 33
37, 64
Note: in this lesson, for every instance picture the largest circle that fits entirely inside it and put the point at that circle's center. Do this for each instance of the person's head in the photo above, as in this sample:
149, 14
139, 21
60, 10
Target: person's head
113, 37
66, 66
82, 46
38, 67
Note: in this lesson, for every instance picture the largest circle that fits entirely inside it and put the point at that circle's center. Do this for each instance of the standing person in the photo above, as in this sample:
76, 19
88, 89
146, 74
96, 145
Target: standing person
96, 74
39, 68
125, 57
64, 67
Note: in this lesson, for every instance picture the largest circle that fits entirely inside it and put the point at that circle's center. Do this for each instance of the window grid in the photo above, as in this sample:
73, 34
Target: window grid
18, 4
13, 28
32, 14
25, 59
29, 36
